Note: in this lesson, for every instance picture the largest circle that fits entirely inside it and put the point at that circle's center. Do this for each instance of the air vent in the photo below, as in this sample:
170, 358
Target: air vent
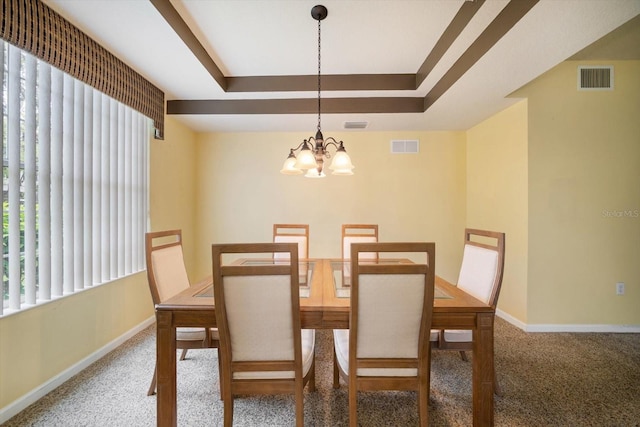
404, 146
355, 125
595, 78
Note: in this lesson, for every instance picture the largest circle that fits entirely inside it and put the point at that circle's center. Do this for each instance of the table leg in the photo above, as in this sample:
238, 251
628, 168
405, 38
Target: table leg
483, 375
166, 362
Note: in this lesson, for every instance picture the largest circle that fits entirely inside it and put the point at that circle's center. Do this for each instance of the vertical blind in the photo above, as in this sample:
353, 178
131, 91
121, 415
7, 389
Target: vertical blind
74, 183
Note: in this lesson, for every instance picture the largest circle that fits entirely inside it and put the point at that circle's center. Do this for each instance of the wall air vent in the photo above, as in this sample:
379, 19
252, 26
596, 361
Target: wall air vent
595, 78
404, 146
355, 125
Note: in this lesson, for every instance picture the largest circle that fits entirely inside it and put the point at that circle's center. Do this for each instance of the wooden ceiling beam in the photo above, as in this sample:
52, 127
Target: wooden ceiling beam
330, 82
298, 106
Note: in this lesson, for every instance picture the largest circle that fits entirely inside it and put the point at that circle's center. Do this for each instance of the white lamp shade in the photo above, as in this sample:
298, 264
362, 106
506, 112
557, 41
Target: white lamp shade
341, 162
306, 159
313, 173
289, 167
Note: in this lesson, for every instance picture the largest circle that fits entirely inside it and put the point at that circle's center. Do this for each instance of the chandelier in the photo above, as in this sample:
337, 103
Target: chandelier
313, 151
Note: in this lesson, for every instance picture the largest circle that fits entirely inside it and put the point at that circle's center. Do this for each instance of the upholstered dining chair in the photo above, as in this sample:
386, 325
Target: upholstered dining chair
262, 346
387, 344
167, 276
292, 233
359, 233
481, 277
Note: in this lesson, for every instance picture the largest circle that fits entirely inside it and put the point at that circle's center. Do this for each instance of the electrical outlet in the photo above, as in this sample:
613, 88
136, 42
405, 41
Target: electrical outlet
620, 288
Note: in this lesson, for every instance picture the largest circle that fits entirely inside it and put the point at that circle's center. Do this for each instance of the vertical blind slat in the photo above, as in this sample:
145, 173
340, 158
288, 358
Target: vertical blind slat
67, 185
127, 158
44, 182
29, 181
88, 187
56, 182
113, 190
106, 190
97, 188
120, 239
2, 132
78, 185
13, 153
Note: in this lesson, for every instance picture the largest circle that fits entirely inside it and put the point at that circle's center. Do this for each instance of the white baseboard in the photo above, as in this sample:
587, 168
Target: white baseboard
621, 329
31, 397
542, 327
509, 318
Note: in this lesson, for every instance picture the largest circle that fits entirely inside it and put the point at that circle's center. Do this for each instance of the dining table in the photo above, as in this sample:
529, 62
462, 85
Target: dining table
324, 304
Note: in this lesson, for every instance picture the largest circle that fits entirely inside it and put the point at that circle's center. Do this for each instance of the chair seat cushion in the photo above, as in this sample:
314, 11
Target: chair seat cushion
308, 353
458, 335
341, 342
190, 334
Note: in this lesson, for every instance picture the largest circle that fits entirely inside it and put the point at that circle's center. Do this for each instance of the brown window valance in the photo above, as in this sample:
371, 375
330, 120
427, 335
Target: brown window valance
34, 27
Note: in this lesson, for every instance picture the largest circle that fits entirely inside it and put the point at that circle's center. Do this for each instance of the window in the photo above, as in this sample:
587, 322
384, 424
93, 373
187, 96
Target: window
74, 183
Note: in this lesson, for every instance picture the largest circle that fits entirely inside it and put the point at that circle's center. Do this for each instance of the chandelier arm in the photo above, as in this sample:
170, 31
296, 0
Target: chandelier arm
332, 141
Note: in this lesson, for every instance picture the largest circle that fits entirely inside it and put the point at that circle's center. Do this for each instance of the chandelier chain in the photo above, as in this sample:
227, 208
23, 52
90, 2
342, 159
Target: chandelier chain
319, 74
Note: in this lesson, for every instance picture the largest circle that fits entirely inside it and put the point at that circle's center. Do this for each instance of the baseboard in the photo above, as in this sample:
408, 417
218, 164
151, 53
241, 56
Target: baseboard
509, 318
621, 329
542, 327
34, 395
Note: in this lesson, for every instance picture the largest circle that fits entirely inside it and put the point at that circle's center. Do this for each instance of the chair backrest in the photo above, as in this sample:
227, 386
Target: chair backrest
292, 233
391, 309
166, 271
258, 311
359, 233
482, 265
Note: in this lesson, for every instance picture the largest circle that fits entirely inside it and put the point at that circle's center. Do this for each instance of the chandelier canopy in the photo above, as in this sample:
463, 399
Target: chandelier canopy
313, 151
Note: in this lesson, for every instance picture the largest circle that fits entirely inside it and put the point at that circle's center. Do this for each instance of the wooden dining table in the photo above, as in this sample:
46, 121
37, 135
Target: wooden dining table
324, 304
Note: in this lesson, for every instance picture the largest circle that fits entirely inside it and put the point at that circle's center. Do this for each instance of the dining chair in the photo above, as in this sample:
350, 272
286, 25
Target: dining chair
292, 233
481, 277
167, 276
387, 344
262, 346
359, 233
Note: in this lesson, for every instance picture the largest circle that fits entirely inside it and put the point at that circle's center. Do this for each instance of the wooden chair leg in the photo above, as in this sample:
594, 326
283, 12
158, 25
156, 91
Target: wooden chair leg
353, 405
463, 356
152, 387
299, 395
184, 354
423, 405
228, 411
220, 373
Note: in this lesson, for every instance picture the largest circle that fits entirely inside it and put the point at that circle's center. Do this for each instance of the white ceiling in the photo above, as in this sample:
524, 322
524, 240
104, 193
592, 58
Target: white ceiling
279, 37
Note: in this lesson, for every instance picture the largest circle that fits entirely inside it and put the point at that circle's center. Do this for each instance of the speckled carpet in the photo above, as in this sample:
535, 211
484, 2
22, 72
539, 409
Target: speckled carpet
559, 379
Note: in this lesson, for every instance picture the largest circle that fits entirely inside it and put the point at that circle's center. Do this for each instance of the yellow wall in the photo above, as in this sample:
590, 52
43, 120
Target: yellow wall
38, 344
172, 201
412, 197
497, 196
584, 198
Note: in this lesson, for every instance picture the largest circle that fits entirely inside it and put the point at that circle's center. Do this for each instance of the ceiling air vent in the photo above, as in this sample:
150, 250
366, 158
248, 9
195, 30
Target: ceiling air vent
595, 78
355, 125
404, 146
